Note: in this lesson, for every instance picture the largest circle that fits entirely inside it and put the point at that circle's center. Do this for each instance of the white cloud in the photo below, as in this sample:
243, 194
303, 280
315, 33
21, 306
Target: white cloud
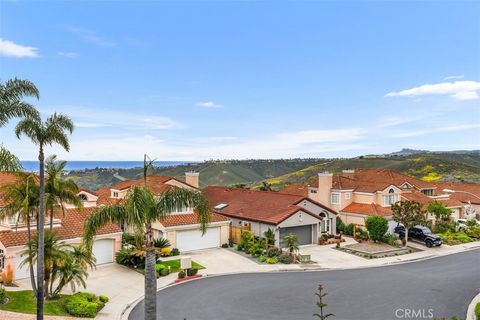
436, 130
91, 36
461, 76
11, 49
70, 55
461, 90
398, 120
209, 104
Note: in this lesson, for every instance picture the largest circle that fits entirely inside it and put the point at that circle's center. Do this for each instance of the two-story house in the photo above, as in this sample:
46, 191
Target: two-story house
357, 194
181, 228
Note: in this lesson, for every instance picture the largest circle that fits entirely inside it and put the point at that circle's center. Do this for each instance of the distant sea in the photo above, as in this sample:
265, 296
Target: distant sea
82, 165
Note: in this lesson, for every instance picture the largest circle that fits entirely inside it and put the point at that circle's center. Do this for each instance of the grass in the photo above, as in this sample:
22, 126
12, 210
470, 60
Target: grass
453, 238
477, 311
175, 265
24, 302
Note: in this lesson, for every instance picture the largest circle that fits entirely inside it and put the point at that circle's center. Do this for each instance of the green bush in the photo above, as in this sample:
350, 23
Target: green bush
128, 238
162, 270
104, 299
262, 259
377, 226
3, 295
161, 243
126, 257
256, 249
181, 274
285, 258
192, 271
272, 260
225, 245
473, 232
453, 238
175, 252
477, 311
240, 247
390, 239
84, 304
349, 229
340, 225
442, 226
273, 252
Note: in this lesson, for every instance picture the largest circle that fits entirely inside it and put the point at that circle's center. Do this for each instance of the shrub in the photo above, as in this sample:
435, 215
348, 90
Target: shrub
6, 276
390, 239
247, 240
225, 245
340, 225
159, 268
272, 260
239, 247
473, 232
443, 226
477, 310
161, 243
377, 226
285, 258
262, 259
3, 295
104, 299
175, 252
164, 272
274, 252
84, 304
230, 242
181, 274
256, 249
451, 238
349, 229
192, 271
128, 238
165, 252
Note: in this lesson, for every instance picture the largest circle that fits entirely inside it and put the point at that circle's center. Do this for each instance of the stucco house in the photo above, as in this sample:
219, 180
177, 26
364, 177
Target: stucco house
357, 194
181, 228
284, 213
69, 228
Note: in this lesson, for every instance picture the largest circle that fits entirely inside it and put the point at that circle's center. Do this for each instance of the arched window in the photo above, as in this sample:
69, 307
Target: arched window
391, 191
391, 198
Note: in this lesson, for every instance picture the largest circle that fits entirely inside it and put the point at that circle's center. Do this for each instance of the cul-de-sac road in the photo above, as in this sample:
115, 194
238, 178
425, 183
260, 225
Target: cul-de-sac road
446, 285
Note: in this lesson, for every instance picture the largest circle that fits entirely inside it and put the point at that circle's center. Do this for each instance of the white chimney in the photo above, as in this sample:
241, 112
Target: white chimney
192, 179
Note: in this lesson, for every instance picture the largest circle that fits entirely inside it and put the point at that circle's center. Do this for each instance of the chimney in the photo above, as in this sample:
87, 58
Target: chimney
191, 178
325, 180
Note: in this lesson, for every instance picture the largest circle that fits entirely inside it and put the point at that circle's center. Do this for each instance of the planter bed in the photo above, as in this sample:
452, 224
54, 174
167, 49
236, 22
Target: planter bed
188, 278
375, 250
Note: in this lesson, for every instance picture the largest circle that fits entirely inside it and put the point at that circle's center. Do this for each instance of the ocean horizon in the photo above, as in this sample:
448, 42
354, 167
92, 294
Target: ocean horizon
83, 165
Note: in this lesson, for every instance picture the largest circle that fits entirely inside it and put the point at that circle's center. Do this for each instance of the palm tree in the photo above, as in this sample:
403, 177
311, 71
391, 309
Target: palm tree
139, 209
12, 105
52, 131
58, 190
269, 235
291, 242
22, 199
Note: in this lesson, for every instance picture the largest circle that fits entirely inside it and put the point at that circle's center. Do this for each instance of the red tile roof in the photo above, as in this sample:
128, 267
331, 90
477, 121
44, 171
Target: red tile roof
71, 227
188, 219
368, 209
261, 206
296, 189
473, 188
372, 180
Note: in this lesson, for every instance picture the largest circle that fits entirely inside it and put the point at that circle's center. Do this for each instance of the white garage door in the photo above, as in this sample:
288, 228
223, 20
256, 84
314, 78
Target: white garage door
103, 251
189, 240
24, 272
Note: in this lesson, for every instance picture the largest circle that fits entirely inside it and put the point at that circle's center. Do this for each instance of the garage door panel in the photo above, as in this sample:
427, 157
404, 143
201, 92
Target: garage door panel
103, 251
24, 271
304, 234
189, 240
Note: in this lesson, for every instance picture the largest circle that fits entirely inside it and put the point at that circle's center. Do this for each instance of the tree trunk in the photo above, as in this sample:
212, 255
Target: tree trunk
150, 277
51, 218
406, 237
41, 239
30, 265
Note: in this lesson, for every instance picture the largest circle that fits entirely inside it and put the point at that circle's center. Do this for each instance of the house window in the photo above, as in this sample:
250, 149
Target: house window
391, 198
313, 190
2, 260
115, 194
335, 199
83, 197
428, 192
347, 195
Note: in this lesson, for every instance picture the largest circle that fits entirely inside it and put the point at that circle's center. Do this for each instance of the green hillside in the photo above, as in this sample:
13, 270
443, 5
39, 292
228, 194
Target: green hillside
451, 166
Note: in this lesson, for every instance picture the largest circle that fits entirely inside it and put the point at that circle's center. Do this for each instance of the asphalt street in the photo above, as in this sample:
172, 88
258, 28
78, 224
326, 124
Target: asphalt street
438, 287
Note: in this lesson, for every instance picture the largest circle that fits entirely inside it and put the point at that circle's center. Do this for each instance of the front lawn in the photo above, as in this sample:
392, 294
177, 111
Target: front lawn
24, 302
453, 238
477, 311
175, 265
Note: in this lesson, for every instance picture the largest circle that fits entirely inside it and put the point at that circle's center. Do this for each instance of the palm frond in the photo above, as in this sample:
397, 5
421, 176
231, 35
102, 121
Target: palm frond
8, 161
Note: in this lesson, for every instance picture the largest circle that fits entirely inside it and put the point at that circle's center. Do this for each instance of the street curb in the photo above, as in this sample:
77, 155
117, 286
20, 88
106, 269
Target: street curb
471, 308
129, 307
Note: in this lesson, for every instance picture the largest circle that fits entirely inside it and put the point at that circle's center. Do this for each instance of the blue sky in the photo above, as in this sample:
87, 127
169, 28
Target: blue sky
221, 79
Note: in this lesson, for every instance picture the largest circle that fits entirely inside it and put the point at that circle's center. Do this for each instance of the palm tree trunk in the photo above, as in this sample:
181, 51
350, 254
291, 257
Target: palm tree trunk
41, 239
30, 265
51, 218
150, 277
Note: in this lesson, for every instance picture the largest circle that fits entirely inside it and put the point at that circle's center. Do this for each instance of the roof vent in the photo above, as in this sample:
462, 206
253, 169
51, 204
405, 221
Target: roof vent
220, 206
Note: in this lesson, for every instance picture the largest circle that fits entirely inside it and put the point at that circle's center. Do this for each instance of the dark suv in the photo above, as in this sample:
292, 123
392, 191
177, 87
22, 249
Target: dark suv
420, 233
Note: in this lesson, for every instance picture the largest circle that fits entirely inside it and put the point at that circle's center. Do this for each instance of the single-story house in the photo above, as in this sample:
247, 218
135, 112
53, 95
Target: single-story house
263, 210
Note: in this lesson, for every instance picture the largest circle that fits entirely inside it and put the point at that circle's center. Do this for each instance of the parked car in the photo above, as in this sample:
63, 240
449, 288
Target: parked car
462, 223
421, 234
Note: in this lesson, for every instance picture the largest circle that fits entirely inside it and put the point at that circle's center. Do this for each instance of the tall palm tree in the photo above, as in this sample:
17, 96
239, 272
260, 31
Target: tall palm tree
58, 190
22, 199
43, 133
139, 209
12, 93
